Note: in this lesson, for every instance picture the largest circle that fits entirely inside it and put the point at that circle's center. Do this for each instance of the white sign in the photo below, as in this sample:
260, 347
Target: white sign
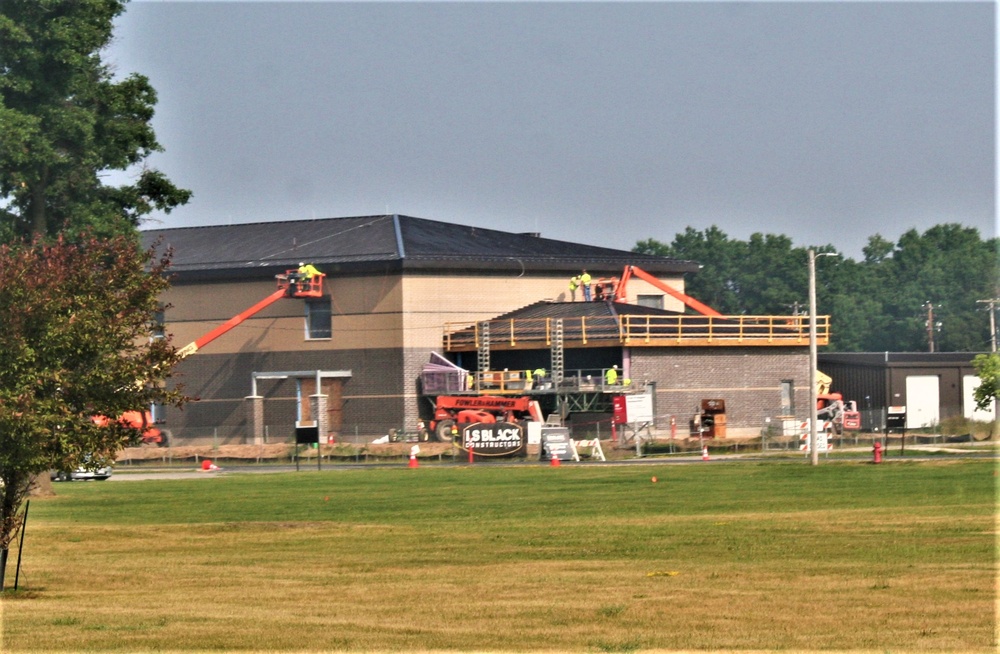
639, 408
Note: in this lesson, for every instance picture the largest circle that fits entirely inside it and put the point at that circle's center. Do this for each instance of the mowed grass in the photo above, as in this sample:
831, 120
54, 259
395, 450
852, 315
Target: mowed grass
582, 558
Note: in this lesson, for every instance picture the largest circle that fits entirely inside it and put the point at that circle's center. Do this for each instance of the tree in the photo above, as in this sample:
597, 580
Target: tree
77, 341
65, 121
877, 304
717, 283
949, 267
988, 369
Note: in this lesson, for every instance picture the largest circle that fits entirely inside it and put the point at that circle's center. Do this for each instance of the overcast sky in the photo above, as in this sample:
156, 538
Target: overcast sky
599, 123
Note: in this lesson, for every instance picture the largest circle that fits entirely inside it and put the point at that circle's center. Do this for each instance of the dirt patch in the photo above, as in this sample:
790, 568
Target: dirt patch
278, 451
197, 452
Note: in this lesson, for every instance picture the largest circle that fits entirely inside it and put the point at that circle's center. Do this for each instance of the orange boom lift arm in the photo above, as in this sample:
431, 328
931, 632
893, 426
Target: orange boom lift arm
288, 286
700, 307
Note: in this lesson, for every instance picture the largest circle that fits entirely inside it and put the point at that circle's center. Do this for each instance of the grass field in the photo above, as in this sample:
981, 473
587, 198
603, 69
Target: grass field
581, 558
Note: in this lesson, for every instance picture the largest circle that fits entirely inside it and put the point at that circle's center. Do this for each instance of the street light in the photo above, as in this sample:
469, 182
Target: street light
812, 353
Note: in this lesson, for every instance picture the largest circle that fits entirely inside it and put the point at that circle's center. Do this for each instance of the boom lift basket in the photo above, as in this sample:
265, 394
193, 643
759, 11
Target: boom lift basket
294, 286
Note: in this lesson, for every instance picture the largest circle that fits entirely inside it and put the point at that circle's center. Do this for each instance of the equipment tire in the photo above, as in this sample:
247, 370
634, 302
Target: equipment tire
443, 431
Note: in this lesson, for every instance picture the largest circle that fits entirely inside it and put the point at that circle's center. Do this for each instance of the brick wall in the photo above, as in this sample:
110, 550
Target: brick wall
748, 379
373, 397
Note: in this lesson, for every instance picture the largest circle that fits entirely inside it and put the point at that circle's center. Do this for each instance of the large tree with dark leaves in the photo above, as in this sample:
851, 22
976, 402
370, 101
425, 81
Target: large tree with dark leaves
76, 342
65, 121
929, 286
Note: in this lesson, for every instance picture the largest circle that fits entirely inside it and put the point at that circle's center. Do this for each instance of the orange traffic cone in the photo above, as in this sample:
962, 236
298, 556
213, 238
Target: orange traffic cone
704, 454
413, 456
555, 463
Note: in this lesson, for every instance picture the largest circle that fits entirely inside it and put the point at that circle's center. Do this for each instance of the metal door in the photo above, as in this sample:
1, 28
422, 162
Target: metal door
923, 401
969, 410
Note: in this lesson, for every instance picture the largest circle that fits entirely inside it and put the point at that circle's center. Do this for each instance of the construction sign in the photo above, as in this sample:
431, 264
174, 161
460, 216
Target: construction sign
495, 439
822, 443
636, 408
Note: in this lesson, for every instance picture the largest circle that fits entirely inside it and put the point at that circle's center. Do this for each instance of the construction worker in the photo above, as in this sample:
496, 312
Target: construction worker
585, 283
301, 277
539, 375
574, 283
611, 376
307, 271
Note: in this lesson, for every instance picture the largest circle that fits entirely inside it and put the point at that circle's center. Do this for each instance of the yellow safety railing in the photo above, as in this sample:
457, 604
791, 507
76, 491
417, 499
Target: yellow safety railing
642, 330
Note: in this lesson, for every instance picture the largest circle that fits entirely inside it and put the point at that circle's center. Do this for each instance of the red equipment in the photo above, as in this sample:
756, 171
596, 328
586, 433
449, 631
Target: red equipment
452, 410
137, 420
840, 415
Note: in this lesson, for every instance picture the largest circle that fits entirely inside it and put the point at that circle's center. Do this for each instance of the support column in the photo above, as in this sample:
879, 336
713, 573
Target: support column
255, 417
318, 402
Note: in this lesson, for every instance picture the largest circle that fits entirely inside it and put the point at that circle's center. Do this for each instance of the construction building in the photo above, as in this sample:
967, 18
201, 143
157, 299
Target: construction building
402, 292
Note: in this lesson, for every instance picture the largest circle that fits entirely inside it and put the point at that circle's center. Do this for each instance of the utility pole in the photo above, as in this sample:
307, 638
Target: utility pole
930, 326
993, 322
814, 453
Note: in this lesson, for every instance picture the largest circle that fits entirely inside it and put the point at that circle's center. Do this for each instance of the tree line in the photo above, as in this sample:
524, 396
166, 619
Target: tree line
925, 289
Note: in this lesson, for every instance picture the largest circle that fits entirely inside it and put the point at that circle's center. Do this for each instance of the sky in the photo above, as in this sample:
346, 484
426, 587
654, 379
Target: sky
604, 123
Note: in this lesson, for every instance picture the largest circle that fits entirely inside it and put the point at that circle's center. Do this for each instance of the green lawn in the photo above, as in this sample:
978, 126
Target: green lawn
584, 558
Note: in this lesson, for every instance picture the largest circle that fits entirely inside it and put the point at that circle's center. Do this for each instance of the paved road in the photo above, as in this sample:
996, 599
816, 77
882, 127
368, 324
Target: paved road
913, 453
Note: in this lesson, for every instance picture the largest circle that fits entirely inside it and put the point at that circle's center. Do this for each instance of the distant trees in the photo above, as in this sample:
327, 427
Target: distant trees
66, 122
883, 302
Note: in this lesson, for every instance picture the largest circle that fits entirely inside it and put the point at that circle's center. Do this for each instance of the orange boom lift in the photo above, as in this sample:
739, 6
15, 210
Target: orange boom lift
290, 285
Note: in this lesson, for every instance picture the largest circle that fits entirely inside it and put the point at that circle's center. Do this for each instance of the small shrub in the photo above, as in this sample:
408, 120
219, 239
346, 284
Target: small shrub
959, 426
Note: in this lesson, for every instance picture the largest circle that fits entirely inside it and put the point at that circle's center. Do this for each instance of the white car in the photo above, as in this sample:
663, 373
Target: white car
99, 474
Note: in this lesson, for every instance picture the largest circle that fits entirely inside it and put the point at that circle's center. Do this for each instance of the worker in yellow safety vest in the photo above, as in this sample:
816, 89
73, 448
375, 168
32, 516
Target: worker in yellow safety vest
307, 271
301, 277
585, 283
574, 283
611, 376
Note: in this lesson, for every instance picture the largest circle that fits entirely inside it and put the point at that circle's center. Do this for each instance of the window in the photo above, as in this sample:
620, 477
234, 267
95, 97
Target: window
787, 397
318, 324
158, 322
651, 301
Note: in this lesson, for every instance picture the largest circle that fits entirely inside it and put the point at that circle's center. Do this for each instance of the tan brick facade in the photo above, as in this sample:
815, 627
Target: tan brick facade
384, 328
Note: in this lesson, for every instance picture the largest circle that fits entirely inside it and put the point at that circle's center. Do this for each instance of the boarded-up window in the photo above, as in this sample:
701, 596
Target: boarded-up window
787, 397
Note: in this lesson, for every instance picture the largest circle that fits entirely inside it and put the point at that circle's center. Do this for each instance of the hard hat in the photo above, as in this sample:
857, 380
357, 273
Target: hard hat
302, 263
